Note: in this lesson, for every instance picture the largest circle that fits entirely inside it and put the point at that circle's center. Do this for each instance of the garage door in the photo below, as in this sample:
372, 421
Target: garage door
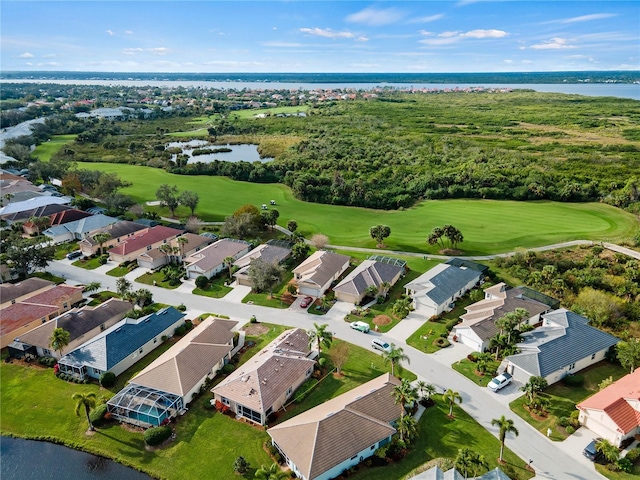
313, 292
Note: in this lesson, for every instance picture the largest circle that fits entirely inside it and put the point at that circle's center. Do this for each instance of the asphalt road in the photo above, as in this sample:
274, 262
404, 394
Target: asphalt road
551, 460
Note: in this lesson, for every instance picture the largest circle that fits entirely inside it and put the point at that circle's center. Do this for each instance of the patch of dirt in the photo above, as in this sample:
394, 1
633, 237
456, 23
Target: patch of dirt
451, 252
255, 329
382, 320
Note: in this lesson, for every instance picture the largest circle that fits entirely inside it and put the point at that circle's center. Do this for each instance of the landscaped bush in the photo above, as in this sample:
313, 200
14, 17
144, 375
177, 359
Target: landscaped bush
202, 282
157, 435
97, 414
47, 361
228, 368
573, 380
180, 331
451, 323
181, 308
570, 430
275, 453
633, 455
441, 342
107, 379
625, 465
473, 357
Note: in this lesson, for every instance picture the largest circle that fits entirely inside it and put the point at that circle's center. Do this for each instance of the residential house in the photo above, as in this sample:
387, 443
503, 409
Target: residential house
436, 290
377, 273
436, 473
143, 241
340, 433
22, 316
614, 412
164, 388
182, 246
80, 229
42, 211
33, 203
121, 345
266, 382
118, 232
211, 260
478, 325
317, 273
58, 218
11, 293
563, 345
270, 252
82, 324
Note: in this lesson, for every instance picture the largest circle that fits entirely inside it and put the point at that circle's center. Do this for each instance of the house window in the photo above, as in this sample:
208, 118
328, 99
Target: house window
289, 391
64, 305
148, 247
593, 356
46, 351
102, 327
373, 447
225, 401
164, 241
250, 414
44, 319
13, 301
572, 366
140, 351
155, 340
354, 457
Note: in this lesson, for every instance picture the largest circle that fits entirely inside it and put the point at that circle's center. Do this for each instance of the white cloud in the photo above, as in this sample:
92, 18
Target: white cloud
327, 33
231, 63
484, 34
282, 44
47, 64
26, 55
129, 32
373, 16
159, 50
362, 38
428, 19
555, 43
588, 18
110, 32
508, 61
132, 51
448, 34
50, 55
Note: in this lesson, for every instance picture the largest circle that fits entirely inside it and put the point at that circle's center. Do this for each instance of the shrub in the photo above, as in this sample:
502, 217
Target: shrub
181, 308
633, 455
47, 361
570, 430
228, 368
180, 331
97, 414
451, 323
275, 453
441, 342
573, 380
157, 435
473, 357
202, 282
240, 465
103, 259
253, 319
107, 379
322, 361
625, 465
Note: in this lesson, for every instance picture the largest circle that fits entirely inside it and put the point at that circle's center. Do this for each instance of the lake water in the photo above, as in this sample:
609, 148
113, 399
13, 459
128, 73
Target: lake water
241, 152
620, 90
31, 460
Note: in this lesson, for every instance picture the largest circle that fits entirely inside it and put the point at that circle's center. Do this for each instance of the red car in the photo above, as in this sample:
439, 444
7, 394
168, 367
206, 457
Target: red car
306, 302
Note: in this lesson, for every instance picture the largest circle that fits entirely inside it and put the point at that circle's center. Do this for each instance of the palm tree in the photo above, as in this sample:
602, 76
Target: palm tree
271, 472
182, 241
608, 449
499, 341
405, 394
123, 286
320, 337
395, 355
100, 238
92, 287
324, 303
425, 388
59, 339
470, 462
386, 286
167, 250
86, 401
534, 386
372, 291
229, 263
407, 428
451, 397
506, 426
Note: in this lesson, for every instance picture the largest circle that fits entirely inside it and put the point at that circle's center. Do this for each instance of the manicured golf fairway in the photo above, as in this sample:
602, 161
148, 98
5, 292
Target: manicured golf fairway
488, 226
45, 150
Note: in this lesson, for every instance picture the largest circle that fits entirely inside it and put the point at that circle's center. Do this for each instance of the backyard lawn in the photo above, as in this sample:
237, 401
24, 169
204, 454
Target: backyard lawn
478, 220
563, 399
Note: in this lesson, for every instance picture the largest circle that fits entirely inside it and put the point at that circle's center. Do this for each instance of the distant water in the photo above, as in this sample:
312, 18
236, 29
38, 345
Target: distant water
30, 460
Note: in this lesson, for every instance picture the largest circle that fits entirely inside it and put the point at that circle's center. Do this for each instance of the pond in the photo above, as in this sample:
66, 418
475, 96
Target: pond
236, 153
28, 459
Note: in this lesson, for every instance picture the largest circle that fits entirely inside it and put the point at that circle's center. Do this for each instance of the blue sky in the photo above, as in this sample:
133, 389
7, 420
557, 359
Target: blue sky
320, 36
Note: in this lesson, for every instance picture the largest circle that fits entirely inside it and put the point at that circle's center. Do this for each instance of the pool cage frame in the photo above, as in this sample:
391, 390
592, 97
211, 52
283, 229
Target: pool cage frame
134, 403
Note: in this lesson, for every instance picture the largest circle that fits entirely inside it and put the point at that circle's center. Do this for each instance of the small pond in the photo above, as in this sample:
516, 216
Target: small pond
241, 152
28, 459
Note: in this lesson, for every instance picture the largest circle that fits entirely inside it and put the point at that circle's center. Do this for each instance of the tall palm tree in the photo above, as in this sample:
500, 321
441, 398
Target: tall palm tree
100, 238
425, 389
407, 428
271, 472
182, 241
469, 462
59, 339
86, 401
229, 263
451, 397
405, 394
506, 426
395, 356
167, 250
534, 386
320, 337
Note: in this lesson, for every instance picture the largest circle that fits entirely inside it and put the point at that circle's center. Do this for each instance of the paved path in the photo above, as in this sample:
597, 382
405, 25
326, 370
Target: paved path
551, 460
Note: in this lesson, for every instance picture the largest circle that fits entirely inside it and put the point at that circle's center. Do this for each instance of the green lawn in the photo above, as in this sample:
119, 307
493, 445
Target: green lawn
215, 288
88, 264
46, 150
488, 226
118, 271
158, 277
48, 276
468, 369
101, 297
275, 301
564, 399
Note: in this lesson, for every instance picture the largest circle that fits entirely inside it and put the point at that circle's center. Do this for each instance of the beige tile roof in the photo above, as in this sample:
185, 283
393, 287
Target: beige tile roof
11, 291
214, 255
320, 267
185, 364
325, 436
269, 373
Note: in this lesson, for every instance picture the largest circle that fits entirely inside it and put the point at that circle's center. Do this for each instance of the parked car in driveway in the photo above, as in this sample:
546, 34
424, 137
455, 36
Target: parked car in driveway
379, 344
306, 301
74, 255
499, 382
591, 452
361, 326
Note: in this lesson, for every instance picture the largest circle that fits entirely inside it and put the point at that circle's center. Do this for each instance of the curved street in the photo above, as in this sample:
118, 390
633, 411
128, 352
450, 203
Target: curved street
550, 460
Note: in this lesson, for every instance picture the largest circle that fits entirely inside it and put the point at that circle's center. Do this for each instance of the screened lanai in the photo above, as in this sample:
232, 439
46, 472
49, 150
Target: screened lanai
144, 406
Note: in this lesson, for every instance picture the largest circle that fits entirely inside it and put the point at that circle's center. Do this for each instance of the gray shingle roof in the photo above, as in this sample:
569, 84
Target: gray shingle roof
442, 282
368, 273
118, 342
82, 226
568, 339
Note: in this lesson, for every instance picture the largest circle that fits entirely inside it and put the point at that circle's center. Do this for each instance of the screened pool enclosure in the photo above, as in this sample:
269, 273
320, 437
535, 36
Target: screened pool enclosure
144, 406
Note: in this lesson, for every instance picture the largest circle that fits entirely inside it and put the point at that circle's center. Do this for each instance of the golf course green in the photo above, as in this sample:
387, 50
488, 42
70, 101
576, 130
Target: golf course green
488, 226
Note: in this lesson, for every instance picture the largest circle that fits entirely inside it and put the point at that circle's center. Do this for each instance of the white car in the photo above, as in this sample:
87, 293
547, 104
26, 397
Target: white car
380, 345
500, 382
361, 326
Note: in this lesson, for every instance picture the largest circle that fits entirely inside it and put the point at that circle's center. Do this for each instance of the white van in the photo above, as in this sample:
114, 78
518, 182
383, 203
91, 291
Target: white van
380, 344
